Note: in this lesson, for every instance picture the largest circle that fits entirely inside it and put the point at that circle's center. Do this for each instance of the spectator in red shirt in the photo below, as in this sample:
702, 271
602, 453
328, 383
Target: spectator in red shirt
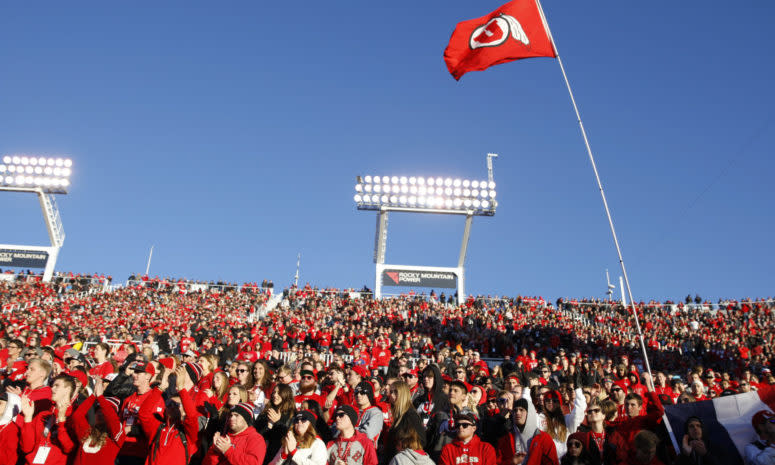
44, 437
467, 448
102, 367
241, 445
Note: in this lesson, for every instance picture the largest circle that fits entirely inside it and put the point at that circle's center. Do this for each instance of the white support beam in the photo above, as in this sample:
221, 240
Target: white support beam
56, 232
464, 245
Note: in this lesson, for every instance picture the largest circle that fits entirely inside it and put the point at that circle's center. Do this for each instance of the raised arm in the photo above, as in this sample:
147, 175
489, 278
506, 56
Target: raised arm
78, 420
191, 422
576, 415
111, 419
146, 416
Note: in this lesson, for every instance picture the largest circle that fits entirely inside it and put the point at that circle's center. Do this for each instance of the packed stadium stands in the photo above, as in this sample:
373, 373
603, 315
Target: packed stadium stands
532, 377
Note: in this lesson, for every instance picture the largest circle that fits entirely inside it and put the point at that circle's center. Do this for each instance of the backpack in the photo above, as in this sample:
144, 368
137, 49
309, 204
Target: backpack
157, 437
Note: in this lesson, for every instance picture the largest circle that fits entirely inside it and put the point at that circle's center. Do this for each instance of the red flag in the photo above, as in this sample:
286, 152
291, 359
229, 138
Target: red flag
515, 30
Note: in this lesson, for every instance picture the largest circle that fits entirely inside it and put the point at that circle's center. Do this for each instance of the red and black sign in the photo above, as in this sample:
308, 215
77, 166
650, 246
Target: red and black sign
418, 278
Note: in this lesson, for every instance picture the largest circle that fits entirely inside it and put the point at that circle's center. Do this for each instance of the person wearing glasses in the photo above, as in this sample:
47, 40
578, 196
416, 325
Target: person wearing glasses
578, 450
411, 380
558, 425
618, 394
351, 447
308, 389
467, 448
462, 375
370, 419
302, 446
496, 418
14, 348
602, 442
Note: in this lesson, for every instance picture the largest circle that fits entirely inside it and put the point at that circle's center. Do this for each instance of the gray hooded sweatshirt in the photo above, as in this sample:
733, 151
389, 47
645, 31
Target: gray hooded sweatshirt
411, 457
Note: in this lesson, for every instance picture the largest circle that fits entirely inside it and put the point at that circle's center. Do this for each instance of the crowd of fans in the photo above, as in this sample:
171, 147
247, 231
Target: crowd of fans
161, 373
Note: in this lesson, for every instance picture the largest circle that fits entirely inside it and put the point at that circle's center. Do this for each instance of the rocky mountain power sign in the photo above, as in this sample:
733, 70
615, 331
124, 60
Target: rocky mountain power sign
417, 278
23, 258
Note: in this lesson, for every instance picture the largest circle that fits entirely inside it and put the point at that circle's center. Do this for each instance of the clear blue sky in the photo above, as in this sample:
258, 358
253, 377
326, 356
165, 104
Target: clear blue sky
229, 136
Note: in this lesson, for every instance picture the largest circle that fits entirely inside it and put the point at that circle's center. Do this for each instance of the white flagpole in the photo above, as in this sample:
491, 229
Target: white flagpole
298, 264
148, 266
602, 192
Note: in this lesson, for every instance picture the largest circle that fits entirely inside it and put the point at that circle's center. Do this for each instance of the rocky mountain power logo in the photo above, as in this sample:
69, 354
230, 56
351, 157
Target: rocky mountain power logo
393, 275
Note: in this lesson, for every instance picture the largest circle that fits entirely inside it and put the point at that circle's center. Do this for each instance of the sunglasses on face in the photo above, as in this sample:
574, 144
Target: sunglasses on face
340, 414
616, 390
463, 425
299, 420
503, 401
241, 370
593, 410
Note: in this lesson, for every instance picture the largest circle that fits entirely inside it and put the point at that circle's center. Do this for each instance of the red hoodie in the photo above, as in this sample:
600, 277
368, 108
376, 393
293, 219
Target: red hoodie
45, 433
474, 452
247, 448
86, 453
9, 442
165, 444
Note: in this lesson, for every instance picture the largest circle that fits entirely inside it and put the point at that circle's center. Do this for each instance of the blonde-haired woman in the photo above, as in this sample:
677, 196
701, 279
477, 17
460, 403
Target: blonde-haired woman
209, 363
403, 416
301, 445
220, 388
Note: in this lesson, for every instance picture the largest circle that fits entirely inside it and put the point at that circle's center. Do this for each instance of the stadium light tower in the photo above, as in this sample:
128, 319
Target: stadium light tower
43, 176
417, 194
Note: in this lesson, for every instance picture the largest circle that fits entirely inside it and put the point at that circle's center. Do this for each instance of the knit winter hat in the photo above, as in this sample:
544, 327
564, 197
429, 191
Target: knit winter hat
521, 402
350, 412
194, 370
365, 387
583, 438
306, 415
245, 410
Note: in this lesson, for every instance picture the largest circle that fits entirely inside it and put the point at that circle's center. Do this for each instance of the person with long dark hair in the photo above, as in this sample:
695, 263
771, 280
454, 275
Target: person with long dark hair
433, 399
276, 419
173, 438
101, 441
